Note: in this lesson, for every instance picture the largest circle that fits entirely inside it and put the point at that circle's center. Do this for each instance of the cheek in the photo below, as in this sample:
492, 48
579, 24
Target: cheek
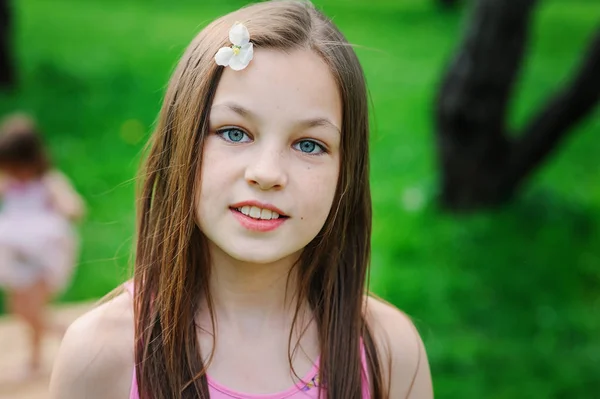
318, 196
209, 178
215, 167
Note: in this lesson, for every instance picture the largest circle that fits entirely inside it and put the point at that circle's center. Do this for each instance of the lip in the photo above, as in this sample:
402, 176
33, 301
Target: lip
259, 225
261, 205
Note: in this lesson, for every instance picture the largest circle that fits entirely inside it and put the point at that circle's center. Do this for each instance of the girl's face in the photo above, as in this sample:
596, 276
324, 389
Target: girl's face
272, 158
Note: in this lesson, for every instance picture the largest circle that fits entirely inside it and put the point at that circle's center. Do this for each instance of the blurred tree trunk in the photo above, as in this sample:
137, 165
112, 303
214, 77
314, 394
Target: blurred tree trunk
482, 165
7, 73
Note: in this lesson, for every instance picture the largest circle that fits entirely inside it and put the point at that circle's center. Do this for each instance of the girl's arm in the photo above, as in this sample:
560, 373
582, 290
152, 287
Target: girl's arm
64, 197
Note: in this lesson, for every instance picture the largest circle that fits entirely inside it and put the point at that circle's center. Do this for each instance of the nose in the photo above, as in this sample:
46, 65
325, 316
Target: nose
267, 170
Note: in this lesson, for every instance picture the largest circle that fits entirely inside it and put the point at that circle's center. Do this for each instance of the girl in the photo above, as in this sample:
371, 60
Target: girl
37, 243
253, 240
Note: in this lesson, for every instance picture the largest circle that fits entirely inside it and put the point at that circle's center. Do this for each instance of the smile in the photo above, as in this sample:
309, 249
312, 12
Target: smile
259, 217
258, 213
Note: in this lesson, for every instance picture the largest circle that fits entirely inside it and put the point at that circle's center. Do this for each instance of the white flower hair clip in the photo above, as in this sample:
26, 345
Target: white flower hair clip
239, 55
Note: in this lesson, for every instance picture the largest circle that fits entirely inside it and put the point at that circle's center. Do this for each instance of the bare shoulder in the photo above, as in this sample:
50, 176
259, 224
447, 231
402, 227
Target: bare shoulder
95, 359
401, 351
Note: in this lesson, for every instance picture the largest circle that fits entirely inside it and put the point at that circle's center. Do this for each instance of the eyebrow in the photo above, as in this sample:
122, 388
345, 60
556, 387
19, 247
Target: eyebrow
308, 123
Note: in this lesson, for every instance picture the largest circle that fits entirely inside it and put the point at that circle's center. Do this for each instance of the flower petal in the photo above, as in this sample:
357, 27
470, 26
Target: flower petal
243, 58
237, 64
247, 52
224, 56
239, 35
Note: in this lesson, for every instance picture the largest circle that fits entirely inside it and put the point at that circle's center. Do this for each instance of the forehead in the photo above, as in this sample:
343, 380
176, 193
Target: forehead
280, 84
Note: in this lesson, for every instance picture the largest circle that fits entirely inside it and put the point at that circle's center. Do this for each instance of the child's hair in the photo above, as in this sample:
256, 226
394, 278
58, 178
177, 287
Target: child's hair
21, 146
172, 262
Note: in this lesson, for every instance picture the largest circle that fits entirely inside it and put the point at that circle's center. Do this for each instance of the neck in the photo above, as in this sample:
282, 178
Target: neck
251, 297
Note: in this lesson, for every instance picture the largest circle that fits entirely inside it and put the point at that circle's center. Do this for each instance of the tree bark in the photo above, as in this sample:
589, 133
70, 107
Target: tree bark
569, 106
7, 71
481, 166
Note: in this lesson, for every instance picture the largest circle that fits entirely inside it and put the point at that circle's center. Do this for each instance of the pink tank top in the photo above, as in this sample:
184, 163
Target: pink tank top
308, 388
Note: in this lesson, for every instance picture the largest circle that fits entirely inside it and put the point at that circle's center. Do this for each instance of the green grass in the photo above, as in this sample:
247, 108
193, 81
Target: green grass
507, 302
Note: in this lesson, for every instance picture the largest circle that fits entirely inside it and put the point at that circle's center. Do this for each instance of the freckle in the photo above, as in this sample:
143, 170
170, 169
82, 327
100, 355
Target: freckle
301, 217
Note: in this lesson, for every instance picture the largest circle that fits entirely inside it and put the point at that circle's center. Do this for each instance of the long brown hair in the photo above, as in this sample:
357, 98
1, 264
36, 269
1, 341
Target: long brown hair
172, 265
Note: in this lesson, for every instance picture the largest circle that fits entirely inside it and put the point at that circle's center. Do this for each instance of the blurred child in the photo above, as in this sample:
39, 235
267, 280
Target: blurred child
38, 245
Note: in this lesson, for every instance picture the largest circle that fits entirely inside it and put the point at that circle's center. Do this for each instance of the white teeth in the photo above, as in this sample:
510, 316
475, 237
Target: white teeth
258, 213
265, 214
255, 212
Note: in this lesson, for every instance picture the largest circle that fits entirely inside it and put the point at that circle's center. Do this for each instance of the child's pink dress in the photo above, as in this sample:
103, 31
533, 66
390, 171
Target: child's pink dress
36, 241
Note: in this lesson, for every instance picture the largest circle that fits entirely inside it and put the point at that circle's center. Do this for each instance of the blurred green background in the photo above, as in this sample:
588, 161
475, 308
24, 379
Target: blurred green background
508, 302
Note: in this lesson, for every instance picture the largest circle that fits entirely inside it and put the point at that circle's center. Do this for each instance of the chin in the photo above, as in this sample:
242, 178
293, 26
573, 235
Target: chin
257, 252
259, 257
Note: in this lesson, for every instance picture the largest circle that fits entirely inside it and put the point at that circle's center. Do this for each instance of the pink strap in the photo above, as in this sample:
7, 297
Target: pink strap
366, 383
134, 392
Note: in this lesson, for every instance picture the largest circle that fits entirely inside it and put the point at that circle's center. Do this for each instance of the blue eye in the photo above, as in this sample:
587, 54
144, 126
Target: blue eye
310, 147
233, 135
